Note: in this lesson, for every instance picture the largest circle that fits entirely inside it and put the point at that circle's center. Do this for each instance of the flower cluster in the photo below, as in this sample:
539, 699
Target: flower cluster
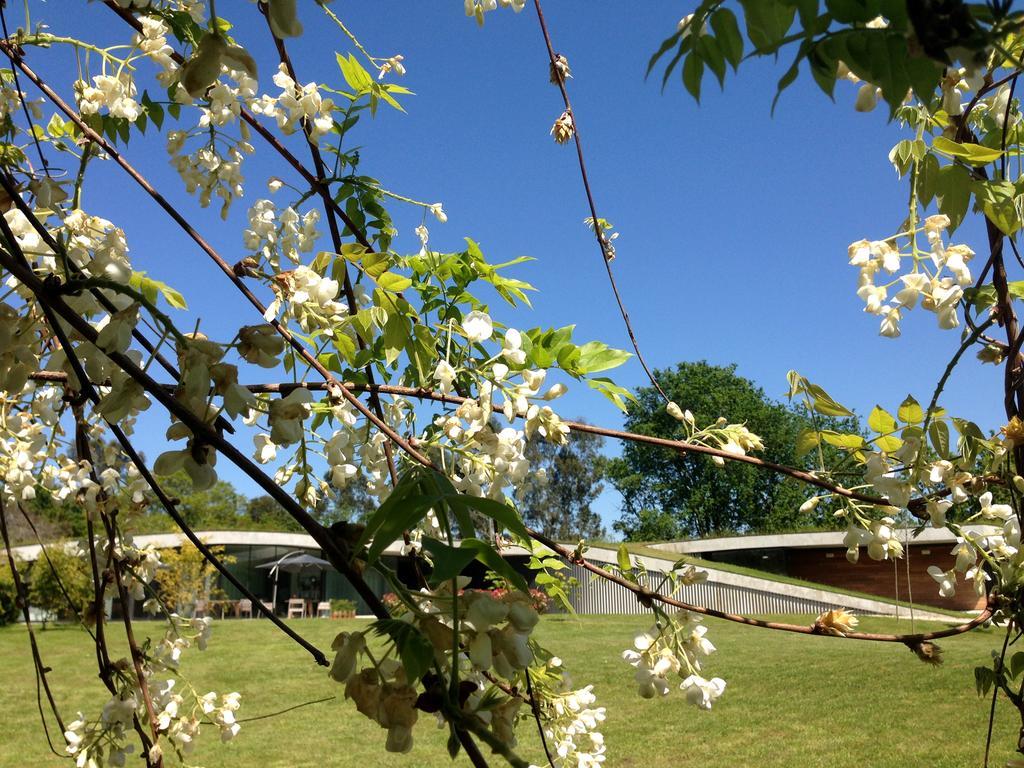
477, 8
272, 235
297, 106
674, 646
936, 280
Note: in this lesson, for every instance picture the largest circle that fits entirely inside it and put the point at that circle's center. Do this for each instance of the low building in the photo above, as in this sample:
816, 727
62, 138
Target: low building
816, 557
820, 557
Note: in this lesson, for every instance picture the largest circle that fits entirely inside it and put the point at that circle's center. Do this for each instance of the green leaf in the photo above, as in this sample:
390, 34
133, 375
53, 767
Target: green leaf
414, 649
768, 21
881, 421
889, 443
667, 44
625, 563
910, 412
938, 434
997, 200
712, 56
983, 679
597, 356
611, 390
806, 441
402, 509
389, 281
498, 511
490, 557
693, 73
357, 78
786, 80
727, 32
823, 403
985, 295
953, 192
972, 154
449, 562
842, 440
150, 288
1016, 665
395, 337
56, 126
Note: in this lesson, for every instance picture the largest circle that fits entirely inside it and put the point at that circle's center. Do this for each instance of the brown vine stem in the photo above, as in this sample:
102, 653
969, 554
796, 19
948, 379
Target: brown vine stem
646, 596
601, 240
200, 429
198, 239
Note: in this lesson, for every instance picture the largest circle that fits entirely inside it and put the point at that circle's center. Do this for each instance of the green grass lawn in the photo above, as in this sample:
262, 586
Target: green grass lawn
791, 700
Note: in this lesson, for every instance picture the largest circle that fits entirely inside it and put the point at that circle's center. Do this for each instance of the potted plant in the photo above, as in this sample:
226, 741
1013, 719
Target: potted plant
343, 609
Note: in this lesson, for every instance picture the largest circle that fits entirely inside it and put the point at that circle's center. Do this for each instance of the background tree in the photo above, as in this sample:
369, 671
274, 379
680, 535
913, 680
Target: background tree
8, 596
186, 576
564, 481
670, 495
71, 571
352, 503
265, 513
220, 506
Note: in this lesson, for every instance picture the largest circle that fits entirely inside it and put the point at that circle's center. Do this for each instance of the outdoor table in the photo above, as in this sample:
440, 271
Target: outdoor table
224, 605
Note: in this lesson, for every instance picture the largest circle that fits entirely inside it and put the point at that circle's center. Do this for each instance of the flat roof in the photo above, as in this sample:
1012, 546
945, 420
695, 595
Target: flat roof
812, 540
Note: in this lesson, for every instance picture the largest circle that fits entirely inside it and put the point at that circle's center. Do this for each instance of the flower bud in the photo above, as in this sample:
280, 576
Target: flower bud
810, 504
867, 98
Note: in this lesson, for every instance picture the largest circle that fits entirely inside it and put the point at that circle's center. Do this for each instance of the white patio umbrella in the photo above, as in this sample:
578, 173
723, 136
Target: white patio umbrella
294, 562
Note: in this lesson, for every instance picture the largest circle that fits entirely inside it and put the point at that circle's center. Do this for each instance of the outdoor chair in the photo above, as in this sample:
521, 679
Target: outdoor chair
296, 608
245, 608
323, 610
199, 611
268, 605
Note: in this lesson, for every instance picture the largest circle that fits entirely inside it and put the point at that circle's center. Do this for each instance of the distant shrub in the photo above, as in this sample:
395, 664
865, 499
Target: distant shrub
8, 597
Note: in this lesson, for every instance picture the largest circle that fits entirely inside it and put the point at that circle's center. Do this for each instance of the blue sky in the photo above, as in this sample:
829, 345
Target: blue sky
734, 224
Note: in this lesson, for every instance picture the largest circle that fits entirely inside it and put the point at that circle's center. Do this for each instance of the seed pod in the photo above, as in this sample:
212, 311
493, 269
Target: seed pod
283, 19
203, 68
237, 58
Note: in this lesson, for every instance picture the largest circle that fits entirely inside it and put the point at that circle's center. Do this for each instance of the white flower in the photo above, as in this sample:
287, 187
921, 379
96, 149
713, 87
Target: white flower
701, 692
445, 375
512, 350
945, 579
996, 511
937, 509
890, 326
478, 326
266, 451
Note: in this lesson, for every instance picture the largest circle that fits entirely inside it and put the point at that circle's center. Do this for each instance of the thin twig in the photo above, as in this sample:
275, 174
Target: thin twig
601, 240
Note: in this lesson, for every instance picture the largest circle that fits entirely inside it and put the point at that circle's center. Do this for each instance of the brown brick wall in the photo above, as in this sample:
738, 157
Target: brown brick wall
878, 577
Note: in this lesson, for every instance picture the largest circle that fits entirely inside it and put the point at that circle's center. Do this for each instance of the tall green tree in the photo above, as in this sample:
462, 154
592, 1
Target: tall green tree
220, 506
265, 513
558, 499
668, 494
